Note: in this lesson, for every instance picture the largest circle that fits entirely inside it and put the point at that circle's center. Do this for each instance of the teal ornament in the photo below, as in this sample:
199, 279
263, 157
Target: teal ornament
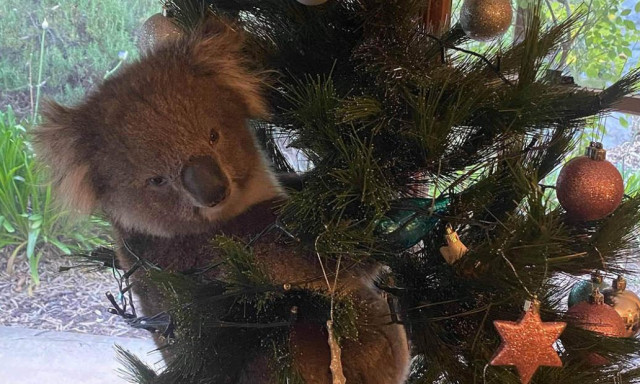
410, 220
582, 290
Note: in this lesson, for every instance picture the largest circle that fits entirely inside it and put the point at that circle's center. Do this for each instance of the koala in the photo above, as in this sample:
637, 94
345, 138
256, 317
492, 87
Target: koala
163, 149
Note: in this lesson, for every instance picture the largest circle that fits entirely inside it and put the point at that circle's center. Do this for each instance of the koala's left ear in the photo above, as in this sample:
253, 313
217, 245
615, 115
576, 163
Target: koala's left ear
58, 144
217, 49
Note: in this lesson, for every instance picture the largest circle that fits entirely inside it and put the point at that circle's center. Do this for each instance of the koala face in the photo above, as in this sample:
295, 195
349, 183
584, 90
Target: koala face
164, 148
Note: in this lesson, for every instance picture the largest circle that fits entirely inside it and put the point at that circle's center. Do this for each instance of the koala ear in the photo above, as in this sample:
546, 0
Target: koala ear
57, 144
218, 50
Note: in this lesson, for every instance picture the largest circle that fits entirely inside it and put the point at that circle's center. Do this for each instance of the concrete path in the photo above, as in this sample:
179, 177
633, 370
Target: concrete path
31, 356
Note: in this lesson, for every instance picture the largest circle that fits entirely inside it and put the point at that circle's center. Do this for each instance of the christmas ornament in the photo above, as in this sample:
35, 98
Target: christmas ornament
410, 220
595, 316
594, 359
589, 187
454, 250
312, 2
486, 19
583, 289
528, 343
336, 359
626, 303
437, 16
157, 30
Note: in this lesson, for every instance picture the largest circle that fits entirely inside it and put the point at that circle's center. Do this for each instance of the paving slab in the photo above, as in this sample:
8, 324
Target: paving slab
31, 356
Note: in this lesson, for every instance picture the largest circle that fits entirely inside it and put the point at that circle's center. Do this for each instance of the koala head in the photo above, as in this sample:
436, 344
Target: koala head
164, 147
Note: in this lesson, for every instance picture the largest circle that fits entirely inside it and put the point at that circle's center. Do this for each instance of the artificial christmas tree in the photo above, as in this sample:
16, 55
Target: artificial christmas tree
409, 134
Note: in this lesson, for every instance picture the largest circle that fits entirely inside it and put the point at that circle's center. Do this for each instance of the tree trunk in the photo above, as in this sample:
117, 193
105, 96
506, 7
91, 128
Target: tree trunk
437, 16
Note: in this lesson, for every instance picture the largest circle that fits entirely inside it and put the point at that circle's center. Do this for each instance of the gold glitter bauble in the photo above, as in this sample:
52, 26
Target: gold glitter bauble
589, 189
157, 30
626, 303
528, 344
486, 19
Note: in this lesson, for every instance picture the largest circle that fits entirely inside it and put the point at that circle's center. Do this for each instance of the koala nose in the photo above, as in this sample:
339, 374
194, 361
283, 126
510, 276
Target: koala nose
204, 180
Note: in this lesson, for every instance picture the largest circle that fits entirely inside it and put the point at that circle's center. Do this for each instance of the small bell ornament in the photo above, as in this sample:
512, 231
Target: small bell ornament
589, 187
626, 303
486, 19
157, 30
583, 289
454, 250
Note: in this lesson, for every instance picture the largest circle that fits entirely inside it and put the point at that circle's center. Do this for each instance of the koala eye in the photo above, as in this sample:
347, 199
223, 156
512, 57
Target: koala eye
213, 137
157, 181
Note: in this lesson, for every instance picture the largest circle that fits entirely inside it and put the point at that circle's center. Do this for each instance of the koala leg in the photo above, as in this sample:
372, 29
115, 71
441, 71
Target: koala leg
256, 372
380, 355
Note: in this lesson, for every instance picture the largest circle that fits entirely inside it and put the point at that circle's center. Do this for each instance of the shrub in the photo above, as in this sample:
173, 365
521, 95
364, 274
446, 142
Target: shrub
30, 222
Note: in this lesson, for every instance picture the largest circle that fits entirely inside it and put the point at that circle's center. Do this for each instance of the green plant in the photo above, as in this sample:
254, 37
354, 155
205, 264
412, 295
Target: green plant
30, 222
45, 26
82, 42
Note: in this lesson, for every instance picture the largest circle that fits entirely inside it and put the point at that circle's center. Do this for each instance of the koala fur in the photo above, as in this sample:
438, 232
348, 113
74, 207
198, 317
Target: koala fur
163, 149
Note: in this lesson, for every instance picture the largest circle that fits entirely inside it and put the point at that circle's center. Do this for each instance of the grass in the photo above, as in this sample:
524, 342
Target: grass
30, 222
81, 44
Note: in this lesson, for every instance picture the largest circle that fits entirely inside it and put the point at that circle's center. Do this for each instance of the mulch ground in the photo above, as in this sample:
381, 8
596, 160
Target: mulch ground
64, 301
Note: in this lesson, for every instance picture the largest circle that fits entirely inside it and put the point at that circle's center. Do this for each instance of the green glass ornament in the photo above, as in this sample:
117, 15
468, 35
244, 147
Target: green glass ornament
582, 290
411, 219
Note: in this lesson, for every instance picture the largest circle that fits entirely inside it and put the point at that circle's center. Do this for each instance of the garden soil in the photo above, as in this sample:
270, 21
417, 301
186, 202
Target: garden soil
64, 301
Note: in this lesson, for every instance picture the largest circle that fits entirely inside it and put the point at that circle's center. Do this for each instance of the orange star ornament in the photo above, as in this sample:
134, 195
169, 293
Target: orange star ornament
528, 343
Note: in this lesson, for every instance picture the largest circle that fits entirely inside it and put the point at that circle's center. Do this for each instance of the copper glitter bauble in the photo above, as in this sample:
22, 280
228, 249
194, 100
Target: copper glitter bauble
486, 19
626, 304
157, 30
528, 343
589, 187
595, 360
597, 317
312, 2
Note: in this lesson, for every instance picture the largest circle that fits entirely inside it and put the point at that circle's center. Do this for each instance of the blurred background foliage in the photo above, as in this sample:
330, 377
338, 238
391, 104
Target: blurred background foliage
82, 43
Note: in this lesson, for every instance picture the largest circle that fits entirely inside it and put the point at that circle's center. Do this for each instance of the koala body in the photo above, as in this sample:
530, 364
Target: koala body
164, 150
